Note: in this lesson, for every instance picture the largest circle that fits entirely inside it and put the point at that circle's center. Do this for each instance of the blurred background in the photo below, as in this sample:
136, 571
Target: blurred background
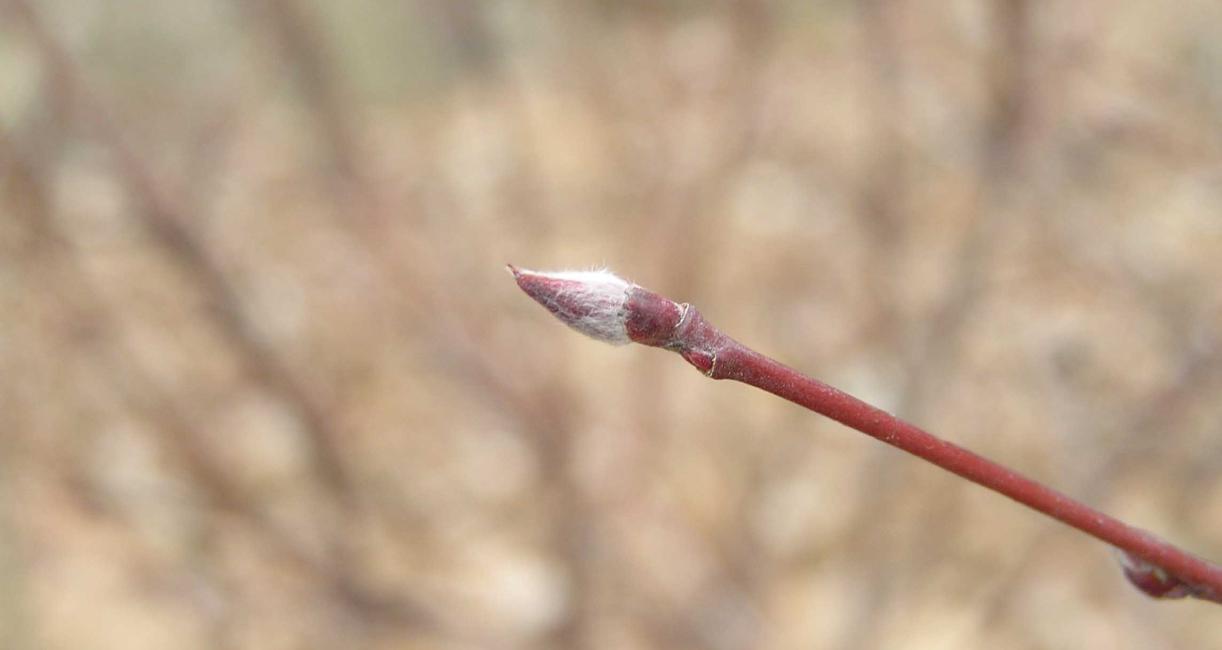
264, 381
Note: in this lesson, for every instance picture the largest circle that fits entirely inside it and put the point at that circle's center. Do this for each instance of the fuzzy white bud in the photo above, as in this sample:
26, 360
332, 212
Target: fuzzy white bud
591, 302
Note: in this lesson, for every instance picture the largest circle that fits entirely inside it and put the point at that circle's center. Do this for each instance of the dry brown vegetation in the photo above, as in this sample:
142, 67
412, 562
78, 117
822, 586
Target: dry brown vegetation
264, 382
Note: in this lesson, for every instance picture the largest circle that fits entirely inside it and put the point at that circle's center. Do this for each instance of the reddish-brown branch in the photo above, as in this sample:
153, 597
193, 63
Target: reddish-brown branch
1156, 567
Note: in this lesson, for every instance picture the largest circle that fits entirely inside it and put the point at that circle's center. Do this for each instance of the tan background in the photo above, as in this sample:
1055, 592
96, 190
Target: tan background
264, 382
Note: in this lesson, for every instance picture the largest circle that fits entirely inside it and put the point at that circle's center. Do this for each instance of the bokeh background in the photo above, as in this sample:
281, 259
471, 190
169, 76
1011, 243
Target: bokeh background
264, 381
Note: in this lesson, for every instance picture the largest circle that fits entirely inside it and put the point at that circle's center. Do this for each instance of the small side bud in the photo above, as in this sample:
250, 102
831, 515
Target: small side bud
1152, 580
591, 302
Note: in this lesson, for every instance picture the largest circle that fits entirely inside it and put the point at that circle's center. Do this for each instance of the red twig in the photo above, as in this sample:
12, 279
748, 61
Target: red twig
610, 309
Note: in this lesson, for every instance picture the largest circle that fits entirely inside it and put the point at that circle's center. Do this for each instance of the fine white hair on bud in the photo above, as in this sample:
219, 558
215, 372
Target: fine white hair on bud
591, 302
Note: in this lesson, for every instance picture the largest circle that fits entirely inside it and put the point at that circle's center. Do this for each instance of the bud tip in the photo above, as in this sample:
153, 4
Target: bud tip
591, 302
